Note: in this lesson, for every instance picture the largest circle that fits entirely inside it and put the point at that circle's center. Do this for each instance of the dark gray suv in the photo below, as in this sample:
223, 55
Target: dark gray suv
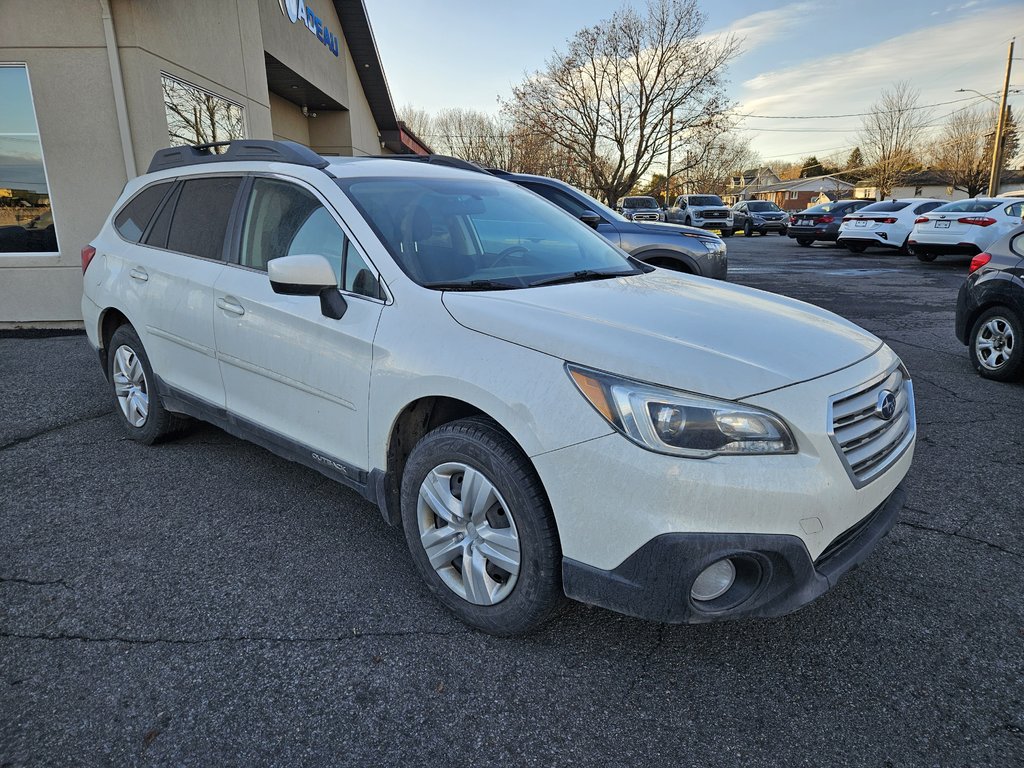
683, 249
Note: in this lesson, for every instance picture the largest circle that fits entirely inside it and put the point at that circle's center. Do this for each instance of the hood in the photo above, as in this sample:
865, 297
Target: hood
686, 332
670, 229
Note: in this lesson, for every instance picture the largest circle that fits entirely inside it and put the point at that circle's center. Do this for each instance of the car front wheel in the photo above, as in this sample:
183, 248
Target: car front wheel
804, 241
480, 529
925, 257
748, 230
997, 345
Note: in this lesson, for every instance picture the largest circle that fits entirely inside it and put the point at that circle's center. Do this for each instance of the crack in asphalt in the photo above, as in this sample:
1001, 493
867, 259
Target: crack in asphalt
645, 663
65, 637
958, 535
56, 428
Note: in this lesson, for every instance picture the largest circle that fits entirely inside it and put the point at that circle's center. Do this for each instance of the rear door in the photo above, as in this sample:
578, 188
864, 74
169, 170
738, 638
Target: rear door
287, 368
171, 274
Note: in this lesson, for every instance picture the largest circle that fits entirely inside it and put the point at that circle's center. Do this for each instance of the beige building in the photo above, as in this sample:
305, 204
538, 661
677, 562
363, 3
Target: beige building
90, 89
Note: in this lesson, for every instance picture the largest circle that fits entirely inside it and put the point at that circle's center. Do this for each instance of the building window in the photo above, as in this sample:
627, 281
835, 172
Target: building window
196, 116
794, 195
26, 220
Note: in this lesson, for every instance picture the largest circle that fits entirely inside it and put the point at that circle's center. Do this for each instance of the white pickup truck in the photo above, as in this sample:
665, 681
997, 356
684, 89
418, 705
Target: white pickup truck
704, 211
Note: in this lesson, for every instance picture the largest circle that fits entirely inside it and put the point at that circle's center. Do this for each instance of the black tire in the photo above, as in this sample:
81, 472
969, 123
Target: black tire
762, 232
726, 232
1008, 367
748, 231
159, 423
804, 241
687, 222
782, 231
855, 247
925, 257
479, 444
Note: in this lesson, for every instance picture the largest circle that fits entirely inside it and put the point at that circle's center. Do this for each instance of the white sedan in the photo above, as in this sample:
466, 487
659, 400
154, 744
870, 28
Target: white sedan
965, 227
885, 224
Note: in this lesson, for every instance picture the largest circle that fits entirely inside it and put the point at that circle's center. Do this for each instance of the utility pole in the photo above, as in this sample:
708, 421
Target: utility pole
997, 147
668, 167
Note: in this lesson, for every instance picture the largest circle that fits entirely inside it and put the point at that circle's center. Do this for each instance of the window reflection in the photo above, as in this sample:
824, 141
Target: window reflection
26, 220
195, 116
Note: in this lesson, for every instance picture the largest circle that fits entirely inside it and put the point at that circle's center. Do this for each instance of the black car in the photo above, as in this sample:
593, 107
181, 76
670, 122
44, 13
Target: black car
990, 309
822, 221
761, 216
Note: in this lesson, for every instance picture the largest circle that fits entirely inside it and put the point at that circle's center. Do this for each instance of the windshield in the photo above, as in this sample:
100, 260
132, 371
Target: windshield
705, 200
482, 234
639, 202
972, 205
762, 206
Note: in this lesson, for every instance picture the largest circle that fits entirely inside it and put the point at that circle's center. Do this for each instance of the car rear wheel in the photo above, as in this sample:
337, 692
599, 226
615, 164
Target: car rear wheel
133, 386
856, 247
925, 257
748, 231
804, 241
480, 529
783, 231
687, 222
997, 345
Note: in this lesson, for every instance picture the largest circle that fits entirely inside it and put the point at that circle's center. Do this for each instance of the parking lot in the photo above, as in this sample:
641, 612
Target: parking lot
205, 602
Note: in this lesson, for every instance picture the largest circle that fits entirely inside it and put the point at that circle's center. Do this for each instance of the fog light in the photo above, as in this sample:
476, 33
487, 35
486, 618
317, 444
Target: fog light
714, 581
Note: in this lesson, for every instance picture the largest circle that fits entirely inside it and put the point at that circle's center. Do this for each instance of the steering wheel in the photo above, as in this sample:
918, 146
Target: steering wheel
510, 251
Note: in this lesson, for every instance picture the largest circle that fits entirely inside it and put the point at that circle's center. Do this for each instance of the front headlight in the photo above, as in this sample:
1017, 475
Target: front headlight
709, 243
668, 421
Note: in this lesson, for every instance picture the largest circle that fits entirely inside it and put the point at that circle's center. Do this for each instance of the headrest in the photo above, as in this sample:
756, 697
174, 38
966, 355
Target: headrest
422, 226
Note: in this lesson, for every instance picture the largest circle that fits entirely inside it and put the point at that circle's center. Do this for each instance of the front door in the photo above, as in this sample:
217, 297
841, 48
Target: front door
285, 366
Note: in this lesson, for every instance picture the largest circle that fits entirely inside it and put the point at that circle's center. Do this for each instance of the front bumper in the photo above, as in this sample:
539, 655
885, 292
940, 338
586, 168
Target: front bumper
718, 224
778, 575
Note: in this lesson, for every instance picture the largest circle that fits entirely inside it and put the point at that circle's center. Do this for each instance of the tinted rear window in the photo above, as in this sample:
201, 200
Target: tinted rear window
705, 200
823, 208
133, 219
968, 206
201, 216
884, 207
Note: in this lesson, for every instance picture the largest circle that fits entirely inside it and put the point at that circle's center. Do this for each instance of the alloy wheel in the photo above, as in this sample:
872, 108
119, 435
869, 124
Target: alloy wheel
994, 343
468, 534
130, 386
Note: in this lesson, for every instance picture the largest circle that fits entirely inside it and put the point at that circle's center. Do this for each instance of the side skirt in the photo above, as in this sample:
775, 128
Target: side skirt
340, 471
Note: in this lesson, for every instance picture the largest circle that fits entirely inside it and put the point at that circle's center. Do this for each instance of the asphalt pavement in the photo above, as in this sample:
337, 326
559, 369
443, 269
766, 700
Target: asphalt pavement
204, 603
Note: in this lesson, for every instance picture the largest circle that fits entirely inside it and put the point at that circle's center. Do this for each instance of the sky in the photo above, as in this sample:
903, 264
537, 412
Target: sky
799, 58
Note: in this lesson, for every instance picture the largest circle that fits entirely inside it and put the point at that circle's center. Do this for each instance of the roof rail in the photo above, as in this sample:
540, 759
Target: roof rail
240, 149
451, 162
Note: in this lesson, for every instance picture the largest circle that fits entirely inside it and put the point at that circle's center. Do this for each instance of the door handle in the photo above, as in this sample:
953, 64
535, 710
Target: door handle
228, 304
138, 273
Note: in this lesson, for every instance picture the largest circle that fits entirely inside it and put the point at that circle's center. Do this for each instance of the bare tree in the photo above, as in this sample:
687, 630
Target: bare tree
419, 120
719, 157
606, 100
890, 136
195, 116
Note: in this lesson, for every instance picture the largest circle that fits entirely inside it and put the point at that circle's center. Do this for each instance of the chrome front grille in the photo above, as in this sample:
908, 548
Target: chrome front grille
646, 217
867, 442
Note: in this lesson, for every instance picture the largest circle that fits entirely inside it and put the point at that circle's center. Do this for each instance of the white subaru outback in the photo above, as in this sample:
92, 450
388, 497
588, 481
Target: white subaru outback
541, 413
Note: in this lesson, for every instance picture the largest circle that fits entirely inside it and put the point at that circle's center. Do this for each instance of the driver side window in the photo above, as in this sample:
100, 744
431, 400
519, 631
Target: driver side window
283, 219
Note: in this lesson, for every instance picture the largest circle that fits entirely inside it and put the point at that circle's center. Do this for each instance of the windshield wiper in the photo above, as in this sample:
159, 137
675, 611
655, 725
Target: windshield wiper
474, 285
580, 276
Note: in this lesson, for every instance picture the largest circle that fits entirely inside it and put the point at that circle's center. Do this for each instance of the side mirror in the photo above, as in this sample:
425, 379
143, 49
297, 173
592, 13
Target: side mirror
308, 275
590, 218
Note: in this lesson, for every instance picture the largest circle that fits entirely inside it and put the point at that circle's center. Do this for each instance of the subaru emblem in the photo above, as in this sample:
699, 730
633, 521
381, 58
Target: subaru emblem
886, 407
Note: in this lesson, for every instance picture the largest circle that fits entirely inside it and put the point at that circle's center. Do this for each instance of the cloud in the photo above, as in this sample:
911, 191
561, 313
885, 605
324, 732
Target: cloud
963, 52
757, 29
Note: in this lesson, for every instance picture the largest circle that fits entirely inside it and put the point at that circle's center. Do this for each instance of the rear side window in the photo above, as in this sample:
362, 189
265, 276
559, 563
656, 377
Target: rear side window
890, 206
133, 219
925, 207
559, 198
201, 216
